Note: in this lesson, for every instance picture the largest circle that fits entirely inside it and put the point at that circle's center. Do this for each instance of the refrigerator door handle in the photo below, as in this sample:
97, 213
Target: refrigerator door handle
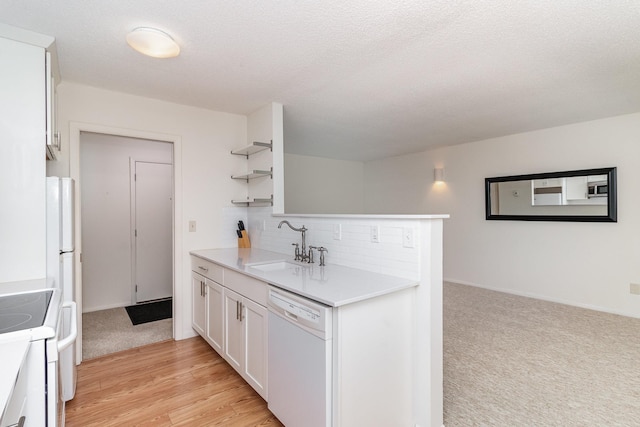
73, 332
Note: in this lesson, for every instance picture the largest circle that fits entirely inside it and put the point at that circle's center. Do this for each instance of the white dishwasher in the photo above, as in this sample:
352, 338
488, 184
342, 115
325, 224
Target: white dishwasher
299, 368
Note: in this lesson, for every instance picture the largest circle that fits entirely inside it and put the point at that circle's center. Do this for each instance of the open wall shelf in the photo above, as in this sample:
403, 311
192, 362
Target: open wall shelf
254, 202
253, 174
254, 148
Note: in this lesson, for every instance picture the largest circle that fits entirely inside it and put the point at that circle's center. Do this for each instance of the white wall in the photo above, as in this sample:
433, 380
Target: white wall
106, 214
203, 166
584, 264
323, 186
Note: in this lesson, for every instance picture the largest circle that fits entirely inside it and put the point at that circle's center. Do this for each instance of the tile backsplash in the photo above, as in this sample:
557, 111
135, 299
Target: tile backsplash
355, 248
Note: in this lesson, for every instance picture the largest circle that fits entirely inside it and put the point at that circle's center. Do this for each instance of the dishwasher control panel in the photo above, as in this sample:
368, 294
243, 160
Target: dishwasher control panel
294, 308
300, 310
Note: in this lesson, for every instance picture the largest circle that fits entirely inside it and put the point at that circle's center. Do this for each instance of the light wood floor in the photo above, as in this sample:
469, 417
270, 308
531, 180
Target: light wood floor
172, 383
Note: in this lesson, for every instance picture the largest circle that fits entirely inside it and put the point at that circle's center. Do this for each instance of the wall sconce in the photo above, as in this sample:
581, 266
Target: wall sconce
438, 174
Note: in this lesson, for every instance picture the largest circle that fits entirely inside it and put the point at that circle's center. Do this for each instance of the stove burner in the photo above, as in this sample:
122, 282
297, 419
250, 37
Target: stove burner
23, 311
12, 322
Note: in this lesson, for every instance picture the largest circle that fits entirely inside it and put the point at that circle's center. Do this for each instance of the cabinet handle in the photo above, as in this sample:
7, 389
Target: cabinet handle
203, 268
237, 310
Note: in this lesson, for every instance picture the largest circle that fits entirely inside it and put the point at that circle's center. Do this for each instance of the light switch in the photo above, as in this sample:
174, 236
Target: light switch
337, 232
192, 226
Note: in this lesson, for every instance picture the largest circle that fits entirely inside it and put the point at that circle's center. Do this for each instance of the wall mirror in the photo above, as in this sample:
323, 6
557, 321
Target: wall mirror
587, 195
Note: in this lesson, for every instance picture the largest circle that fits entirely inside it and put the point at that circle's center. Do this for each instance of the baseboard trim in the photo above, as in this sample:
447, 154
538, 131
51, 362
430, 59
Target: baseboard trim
543, 298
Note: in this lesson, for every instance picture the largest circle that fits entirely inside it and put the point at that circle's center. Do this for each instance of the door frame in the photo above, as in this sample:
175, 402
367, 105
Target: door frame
132, 220
75, 128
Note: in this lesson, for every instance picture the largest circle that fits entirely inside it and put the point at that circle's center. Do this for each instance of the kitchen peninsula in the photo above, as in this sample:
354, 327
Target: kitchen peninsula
383, 327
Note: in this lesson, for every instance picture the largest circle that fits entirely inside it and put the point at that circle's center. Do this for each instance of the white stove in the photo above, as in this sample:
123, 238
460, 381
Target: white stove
34, 314
26, 311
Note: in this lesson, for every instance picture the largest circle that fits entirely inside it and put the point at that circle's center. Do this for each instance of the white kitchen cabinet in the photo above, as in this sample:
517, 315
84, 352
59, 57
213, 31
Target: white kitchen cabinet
215, 315
229, 313
198, 302
22, 160
255, 326
246, 339
52, 134
548, 182
576, 188
233, 348
597, 178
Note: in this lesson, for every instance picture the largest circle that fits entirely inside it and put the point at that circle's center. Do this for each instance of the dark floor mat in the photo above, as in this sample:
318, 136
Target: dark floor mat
149, 311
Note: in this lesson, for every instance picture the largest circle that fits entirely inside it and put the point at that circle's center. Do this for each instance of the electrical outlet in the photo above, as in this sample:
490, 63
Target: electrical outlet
375, 234
337, 231
192, 226
407, 237
634, 288
264, 225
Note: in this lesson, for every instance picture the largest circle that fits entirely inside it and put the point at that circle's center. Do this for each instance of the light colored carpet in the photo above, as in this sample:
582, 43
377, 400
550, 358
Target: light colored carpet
515, 361
109, 331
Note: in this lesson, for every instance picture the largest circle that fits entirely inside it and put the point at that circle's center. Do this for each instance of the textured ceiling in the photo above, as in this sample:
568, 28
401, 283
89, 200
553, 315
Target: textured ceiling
362, 79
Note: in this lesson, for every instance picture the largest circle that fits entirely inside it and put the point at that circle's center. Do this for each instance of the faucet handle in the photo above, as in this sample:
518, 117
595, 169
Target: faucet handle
322, 250
297, 251
311, 248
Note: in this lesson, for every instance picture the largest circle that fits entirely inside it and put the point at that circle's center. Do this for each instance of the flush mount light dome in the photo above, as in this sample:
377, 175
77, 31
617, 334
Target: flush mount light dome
153, 42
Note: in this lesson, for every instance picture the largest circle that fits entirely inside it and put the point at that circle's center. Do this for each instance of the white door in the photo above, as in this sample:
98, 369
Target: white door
152, 231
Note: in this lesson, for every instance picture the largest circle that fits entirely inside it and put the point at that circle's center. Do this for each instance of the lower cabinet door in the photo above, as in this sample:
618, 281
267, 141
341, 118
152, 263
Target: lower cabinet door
255, 332
198, 303
215, 315
233, 333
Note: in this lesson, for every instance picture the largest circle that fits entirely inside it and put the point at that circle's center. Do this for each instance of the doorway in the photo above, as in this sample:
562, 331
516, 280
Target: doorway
113, 260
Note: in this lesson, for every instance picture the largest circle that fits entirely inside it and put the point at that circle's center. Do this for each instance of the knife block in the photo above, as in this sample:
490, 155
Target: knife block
244, 242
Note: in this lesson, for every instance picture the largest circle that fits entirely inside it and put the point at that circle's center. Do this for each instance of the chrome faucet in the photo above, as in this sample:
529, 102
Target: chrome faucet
302, 255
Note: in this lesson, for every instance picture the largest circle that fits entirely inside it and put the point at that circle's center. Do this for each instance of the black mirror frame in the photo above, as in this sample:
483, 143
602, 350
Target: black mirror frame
612, 205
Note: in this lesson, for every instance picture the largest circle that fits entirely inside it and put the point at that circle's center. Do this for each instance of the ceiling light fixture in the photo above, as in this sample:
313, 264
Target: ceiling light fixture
153, 42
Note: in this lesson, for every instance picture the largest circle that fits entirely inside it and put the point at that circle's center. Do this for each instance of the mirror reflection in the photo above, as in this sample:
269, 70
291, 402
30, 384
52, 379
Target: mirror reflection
585, 195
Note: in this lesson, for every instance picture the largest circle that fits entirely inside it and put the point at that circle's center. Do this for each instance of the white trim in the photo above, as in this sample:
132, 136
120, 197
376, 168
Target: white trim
132, 225
360, 216
180, 299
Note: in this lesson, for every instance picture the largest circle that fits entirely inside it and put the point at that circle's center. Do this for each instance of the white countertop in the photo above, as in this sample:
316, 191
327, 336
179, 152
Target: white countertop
333, 285
12, 354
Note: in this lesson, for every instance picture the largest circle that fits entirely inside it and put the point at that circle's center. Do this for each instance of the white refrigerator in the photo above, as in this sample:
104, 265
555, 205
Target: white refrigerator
61, 266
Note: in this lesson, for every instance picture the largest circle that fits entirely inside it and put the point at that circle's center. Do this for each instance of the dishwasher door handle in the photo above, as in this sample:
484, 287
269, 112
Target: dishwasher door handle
290, 315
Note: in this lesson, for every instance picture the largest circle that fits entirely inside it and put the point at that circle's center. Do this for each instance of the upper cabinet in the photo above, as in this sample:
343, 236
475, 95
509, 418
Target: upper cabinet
23, 60
52, 133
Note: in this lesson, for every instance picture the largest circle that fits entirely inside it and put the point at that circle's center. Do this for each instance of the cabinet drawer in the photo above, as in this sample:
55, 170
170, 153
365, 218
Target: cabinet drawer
255, 290
207, 269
